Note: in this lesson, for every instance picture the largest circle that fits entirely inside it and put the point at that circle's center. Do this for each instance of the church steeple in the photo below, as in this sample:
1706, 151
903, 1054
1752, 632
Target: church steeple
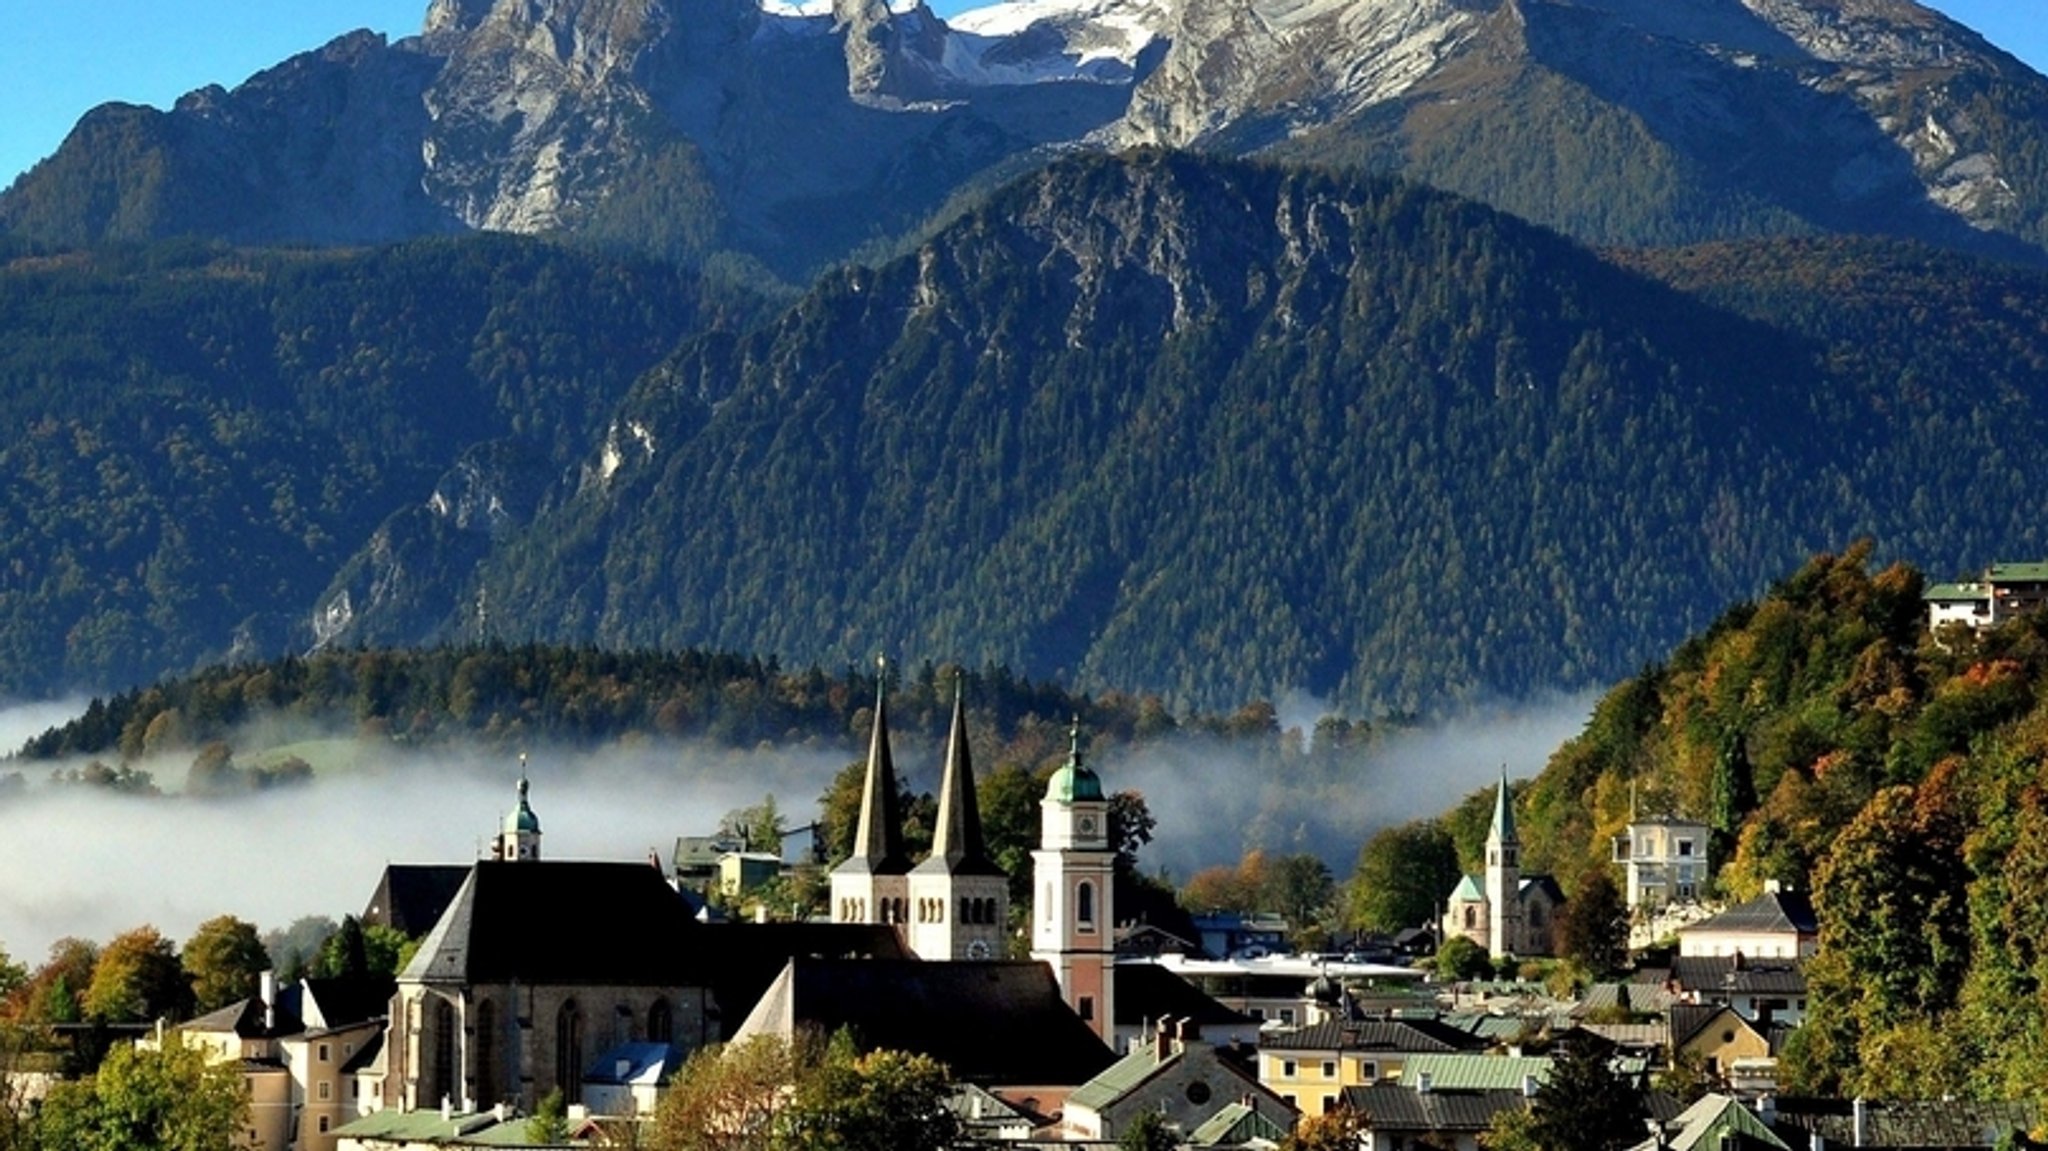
1503, 877
520, 838
958, 846
872, 885
878, 839
959, 898
1074, 922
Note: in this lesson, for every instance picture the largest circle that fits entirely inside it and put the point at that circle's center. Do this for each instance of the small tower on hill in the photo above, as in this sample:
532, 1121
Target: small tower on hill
959, 898
1072, 928
873, 885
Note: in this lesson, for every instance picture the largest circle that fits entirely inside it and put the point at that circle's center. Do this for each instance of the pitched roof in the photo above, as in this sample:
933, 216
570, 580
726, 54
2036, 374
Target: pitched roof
1633, 996
651, 1064
410, 897
1407, 1036
1469, 890
1773, 912
1392, 1107
345, 1000
1147, 993
1236, 1125
1689, 1020
878, 838
1948, 1123
1475, 1072
745, 959
1726, 973
957, 847
1000, 1022
1711, 1123
1146, 1060
552, 922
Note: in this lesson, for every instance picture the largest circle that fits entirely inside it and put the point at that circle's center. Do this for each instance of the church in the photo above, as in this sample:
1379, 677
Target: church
537, 968
1504, 911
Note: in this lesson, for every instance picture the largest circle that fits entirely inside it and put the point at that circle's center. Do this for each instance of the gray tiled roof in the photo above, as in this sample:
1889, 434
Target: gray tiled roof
1948, 1123
1771, 912
1402, 1035
1390, 1107
550, 922
1723, 973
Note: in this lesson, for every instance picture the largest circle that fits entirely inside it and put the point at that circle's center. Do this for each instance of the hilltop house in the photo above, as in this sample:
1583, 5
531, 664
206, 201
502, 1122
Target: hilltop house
1778, 924
2006, 590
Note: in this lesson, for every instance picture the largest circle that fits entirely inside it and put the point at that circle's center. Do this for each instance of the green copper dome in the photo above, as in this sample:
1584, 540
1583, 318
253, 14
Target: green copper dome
522, 818
1074, 782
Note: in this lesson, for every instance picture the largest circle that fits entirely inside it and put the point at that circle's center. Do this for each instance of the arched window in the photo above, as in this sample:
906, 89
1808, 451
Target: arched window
484, 1053
569, 1052
661, 1023
444, 1054
1471, 916
1084, 906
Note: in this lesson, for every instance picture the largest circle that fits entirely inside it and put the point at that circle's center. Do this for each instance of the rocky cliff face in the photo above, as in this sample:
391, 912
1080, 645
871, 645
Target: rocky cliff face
796, 134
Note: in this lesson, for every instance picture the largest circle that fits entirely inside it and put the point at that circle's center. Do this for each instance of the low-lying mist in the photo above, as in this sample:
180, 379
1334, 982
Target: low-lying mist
84, 861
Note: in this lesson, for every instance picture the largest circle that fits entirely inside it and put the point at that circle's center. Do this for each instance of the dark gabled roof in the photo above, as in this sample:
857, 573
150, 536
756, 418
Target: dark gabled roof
744, 959
243, 1019
1390, 1107
1947, 1123
957, 847
1688, 1020
1531, 884
1726, 973
1147, 993
344, 1001
551, 922
410, 897
1407, 1036
1773, 911
1000, 1022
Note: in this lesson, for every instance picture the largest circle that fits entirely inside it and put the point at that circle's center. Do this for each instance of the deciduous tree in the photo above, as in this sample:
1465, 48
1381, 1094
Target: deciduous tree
138, 978
169, 1099
222, 961
1403, 874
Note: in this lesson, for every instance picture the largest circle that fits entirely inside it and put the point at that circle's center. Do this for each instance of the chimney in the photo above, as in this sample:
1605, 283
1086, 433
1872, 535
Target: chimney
1422, 1083
500, 1112
1162, 1036
1528, 1086
447, 1109
1767, 1109
266, 990
1773, 887
1861, 1112
1189, 1032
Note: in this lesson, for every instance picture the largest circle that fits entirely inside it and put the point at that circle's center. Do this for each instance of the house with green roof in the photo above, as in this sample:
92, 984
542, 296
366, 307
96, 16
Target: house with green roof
1176, 1076
2005, 590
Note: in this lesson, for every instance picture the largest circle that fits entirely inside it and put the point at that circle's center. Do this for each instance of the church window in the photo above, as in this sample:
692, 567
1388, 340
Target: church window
1471, 916
1084, 906
443, 1038
569, 1052
661, 1023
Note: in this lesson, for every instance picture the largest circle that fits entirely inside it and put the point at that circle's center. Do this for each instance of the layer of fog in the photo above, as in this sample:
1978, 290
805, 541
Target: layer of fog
82, 861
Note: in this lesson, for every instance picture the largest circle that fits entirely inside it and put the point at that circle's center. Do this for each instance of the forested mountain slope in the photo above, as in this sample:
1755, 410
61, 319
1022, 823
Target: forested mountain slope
1220, 430
200, 437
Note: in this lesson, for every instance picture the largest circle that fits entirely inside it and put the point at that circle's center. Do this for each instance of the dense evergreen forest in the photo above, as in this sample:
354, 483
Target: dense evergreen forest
203, 436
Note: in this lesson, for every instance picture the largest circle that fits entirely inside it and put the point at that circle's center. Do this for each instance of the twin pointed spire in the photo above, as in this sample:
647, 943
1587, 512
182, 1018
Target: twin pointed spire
878, 839
957, 845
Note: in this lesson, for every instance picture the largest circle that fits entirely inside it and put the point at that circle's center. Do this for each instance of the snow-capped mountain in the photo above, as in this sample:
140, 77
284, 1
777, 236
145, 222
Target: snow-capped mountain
796, 132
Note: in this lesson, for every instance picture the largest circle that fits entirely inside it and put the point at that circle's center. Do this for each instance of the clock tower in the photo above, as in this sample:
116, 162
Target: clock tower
1072, 925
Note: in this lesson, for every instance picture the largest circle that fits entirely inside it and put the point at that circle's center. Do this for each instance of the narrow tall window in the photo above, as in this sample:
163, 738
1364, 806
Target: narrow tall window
1084, 906
569, 1052
485, 1047
661, 1023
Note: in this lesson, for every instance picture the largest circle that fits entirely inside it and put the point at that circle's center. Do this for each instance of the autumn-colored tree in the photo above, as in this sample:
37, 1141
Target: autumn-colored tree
1338, 1130
222, 961
138, 978
810, 1094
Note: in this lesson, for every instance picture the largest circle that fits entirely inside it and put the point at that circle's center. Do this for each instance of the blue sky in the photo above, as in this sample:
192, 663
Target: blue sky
58, 60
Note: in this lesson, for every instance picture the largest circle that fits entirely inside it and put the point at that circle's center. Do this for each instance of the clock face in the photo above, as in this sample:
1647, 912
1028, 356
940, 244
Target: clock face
1087, 825
978, 949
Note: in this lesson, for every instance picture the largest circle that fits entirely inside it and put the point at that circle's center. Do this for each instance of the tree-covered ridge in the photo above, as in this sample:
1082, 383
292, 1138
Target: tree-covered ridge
201, 435
1834, 744
1218, 430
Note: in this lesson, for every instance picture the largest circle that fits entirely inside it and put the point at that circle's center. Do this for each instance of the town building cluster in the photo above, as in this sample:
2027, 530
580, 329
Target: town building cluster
597, 979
